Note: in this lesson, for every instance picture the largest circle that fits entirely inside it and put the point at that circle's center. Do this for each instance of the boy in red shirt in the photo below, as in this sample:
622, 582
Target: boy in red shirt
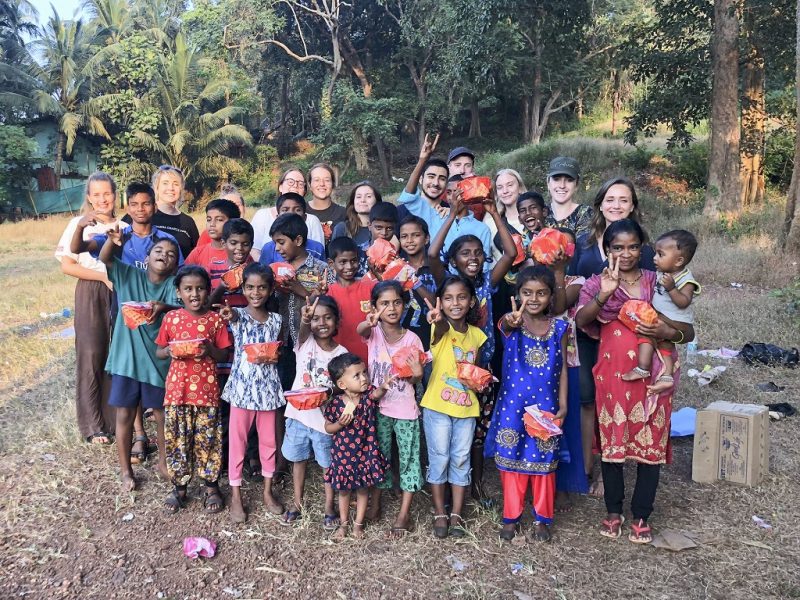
213, 257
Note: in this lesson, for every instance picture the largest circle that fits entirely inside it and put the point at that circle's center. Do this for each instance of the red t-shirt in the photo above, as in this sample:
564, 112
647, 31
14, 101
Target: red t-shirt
354, 306
193, 381
204, 239
213, 260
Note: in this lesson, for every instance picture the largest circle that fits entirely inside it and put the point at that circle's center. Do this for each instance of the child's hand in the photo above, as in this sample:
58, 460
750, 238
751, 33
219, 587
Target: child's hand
345, 419
158, 308
456, 202
204, 348
560, 261
559, 416
435, 314
295, 287
307, 311
416, 366
428, 147
115, 235
442, 211
322, 286
489, 205
374, 317
609, 278
389, 382
668, 282
225, 311
514, 318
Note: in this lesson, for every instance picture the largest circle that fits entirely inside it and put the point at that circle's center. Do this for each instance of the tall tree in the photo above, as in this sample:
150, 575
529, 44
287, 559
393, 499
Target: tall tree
792, 220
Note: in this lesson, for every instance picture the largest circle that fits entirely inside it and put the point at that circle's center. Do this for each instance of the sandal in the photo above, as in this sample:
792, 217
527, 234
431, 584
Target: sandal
457, 530
102, 438
440, 531
612, 528
290, 517
138, 457
330, 522
641, 533
213, 502
176, 500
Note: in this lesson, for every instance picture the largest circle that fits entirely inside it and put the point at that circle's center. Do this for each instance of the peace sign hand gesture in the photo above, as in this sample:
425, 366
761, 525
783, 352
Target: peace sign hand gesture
435, 314
374, 317
428, 147
514, 318
609, 278
307, 311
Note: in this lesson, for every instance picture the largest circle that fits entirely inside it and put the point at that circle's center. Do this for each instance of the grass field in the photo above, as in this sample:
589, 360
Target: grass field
65, 530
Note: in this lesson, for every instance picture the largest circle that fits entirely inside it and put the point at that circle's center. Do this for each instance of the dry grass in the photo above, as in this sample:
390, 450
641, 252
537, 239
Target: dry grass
62, 534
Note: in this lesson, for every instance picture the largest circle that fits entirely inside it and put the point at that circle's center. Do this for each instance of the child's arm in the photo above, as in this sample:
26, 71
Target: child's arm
380, 392
513, 320
438, 268
77, 245
436, 316
505, 263
560, 300
428, 147
163, 352
344, 421
306, 314
70, 267
217, 354
681, 297
563, 384
226, 313
107, 251
364, 329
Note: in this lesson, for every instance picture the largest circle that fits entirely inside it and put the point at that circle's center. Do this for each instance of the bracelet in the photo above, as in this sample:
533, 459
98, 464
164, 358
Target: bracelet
597, 299
680, 341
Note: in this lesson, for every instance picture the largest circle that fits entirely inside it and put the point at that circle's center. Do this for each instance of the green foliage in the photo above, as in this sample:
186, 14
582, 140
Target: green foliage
258, 178
691, 163
17, 156
791, 296
779, 157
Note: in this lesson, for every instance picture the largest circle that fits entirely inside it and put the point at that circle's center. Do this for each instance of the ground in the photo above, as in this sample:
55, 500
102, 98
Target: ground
67, 532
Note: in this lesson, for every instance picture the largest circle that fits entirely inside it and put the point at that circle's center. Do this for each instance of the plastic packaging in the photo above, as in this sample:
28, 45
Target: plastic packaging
691, 352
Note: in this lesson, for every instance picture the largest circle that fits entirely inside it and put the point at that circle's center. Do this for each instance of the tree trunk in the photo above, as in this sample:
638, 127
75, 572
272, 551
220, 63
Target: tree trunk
792, 221
754, 120
475, 119
616, 103
418, 78
285, 132
536, 100
722, 190
579, 104
526, 119
61, 145
385, 165
359, 152
352, 60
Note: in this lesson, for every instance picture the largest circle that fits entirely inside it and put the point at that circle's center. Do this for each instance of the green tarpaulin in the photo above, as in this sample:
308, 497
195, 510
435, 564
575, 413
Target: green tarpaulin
66, 200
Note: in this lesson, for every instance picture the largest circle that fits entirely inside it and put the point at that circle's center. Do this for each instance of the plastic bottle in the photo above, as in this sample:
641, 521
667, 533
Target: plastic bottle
691, 352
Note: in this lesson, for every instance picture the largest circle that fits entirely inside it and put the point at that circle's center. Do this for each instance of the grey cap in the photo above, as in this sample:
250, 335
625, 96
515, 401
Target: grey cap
564, 165
460, 151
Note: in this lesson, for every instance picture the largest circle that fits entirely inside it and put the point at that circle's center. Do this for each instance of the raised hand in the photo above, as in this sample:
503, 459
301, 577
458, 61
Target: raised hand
435, 314
428, 147
609, 278
115, 235
88, 219
456, 202
388, 382
514, 318
560, 261
322, 286
489, 205
668, 281
307, 311
374, 317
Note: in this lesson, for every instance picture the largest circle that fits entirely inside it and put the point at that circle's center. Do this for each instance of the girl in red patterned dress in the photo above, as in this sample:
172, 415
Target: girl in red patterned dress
195, 338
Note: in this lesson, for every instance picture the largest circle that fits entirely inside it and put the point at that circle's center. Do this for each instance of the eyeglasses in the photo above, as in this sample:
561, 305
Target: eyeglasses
170, 168
294, 182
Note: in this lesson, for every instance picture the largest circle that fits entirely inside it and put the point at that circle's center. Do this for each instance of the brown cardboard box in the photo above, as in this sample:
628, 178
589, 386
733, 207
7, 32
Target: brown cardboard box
731, 443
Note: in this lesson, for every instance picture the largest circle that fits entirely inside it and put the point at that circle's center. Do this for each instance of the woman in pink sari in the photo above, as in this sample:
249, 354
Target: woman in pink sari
632, 424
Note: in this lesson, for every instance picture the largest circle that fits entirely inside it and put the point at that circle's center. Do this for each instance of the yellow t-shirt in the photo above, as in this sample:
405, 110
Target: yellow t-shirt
445, 393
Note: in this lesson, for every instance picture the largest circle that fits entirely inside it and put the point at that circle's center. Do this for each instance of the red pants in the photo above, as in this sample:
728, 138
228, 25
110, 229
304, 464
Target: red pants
515, 485
240, 422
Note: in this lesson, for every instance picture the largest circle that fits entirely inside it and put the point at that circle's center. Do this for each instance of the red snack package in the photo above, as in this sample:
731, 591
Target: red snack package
399, 365
474, 190
307, 398
186, 348
634, 312
262, 353
327, 230
473, 377
380, 254
520, 249
544, 247
283, 272
401, 271
233, 278
541, 423
136, 313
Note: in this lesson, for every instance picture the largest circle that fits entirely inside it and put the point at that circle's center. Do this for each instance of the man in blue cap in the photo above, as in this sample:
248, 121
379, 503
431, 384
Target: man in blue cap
461, 161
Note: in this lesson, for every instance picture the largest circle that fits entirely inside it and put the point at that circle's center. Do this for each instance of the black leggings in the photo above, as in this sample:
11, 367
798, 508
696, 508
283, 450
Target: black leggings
644, 492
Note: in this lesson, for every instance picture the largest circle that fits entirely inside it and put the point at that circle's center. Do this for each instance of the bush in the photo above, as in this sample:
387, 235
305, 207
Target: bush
691, 163
779, 157
259, 176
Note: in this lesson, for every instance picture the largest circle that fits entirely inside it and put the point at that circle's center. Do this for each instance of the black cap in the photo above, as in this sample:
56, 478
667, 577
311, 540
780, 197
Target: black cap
460, 151
564, 165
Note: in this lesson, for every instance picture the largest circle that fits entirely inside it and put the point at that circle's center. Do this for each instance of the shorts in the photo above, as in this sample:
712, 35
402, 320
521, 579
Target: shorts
449, 440
301, 443
129, 393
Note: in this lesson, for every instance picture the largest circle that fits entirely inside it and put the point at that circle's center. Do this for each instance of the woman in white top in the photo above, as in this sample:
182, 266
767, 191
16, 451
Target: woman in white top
292, 180
508, 185
93, 310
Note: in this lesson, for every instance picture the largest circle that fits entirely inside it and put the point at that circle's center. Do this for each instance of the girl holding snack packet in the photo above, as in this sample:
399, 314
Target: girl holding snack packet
534, 375
399, 414
253, 389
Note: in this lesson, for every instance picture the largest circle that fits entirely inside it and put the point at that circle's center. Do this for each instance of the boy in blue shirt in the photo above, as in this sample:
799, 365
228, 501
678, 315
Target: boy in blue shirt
290, 203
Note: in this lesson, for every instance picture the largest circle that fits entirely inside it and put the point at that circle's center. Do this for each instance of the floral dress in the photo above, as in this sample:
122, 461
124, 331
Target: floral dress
356, 459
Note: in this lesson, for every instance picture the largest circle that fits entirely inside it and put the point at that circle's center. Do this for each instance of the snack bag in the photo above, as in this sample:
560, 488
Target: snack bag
474, 190
284, 272
520, 249
544, 247
307, 398
400, 367
233, 278
380, 254
262, 353
473, 377
401, 271
541, 424
327, 230
634, 312
186, 348
136, 313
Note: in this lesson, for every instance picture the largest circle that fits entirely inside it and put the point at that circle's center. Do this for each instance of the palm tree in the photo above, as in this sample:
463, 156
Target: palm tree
65, 48
17, 17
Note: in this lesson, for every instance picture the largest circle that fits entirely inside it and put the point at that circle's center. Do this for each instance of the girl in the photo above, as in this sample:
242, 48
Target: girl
450, 408
399, 414
193, 435
631, 425
305, 429
466, 257
253, 389
562, 185
93, 298
534, 374
363, 197
508, 185
356, 460
168, 186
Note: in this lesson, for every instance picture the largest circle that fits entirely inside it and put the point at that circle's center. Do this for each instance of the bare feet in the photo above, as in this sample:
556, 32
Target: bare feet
541, 532
399, 529
358, 531
273, 506
597, 489
128, 482
563, 504
162, 471
635, 374
340, 534
374, 512
661, 385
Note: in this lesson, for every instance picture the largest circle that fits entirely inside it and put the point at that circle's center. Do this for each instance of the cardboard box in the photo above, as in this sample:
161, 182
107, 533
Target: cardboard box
731, 443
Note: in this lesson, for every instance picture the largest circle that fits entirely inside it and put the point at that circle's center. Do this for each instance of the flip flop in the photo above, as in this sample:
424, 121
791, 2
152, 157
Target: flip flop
290, 517
641, 533
330, 522
612, 528
139, 457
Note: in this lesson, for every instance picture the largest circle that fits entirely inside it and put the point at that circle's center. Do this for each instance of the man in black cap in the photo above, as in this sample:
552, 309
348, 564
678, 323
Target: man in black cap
461, 161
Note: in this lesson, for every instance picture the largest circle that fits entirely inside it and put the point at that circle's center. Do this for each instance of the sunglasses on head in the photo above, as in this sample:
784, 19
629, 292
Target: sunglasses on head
170, 168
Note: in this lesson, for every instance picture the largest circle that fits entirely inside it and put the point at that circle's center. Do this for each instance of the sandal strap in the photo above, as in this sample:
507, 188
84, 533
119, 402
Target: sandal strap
440, 517
640, 528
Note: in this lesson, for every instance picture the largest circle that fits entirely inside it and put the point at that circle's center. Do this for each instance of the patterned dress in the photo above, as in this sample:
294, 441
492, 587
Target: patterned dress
531, 375
579, 220
356, 459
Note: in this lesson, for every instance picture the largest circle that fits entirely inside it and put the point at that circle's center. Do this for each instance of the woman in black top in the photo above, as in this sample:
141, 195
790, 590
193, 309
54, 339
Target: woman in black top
168, 186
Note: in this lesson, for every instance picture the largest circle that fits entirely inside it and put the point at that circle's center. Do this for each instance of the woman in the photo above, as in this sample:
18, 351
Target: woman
562, 184
508, 185
615, 200
632, 424
168, 186
93, 305
362, 198
322, 180
292, 180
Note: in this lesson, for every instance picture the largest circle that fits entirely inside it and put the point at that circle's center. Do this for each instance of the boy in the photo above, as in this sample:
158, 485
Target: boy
414, 240
291, 203
230, 193
461, 161
383, 221
136, 238
211, 255
237, 241
137, 374
351, 294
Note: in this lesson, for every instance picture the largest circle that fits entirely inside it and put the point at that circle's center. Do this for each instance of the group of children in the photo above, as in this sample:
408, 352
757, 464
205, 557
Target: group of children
395, 354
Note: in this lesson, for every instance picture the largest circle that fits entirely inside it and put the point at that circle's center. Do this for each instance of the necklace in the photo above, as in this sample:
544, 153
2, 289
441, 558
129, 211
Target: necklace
634, 281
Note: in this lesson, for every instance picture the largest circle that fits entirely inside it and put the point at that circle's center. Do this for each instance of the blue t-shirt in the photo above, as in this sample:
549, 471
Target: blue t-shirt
134, 248
270, 255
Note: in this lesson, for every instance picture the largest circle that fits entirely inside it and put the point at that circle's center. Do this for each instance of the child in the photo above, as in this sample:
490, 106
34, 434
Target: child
265, 217
532, 212
253, 389
414, 241
356, 459
292, 203
674, 292
467, 258
137, 373
382, 225
534, 374
213, 256
305, 429
450, 408
399, 413
193, 436
237, 239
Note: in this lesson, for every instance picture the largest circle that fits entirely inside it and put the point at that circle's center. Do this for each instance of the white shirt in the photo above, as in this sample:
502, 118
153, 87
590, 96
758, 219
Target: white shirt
84, 259
264, 218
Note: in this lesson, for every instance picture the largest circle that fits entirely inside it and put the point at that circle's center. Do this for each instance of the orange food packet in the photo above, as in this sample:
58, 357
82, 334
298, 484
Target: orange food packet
307, 398
262, 353
545, 246
135, 314
400, 366
473, 376
186, 348
541, 423
233, 278
400, 270
283, 272
635, 312
380, 254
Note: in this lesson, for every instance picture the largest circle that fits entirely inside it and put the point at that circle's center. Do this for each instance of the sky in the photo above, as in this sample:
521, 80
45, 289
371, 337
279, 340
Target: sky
65, 8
